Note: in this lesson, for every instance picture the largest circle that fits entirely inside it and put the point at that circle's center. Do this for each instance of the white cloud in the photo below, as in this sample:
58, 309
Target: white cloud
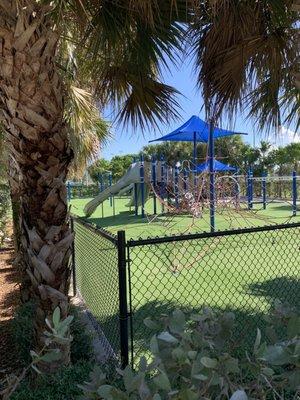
284, 136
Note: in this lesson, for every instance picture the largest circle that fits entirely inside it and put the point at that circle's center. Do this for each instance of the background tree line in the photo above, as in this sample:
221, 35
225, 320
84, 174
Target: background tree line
230, 150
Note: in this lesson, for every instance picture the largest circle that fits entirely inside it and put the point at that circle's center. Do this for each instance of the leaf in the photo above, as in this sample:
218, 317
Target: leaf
104, 391
200, 377
293, 328
162, 381
128, 376
276, 355
188, 394
257, 341
154, 345
267, 371
151, 324
177, 323
294, 379
64, 325
143, 364
209, 362
56, 317
192, 354
51, 356
239, 395
167, 337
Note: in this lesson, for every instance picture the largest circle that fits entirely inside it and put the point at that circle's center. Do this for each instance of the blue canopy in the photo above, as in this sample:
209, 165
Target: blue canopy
195, 129
218, 166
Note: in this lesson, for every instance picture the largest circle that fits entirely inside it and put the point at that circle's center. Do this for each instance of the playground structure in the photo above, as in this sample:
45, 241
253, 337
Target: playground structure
189, 187
183, 190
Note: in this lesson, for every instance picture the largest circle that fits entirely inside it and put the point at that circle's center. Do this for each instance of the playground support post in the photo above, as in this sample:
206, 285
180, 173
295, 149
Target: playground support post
195, 163
135, 188
110, 184
294, 183
264, 190
142, 180
211, 177
185, 180
69, 191
176, 186
162, 180
153, 179
250, 189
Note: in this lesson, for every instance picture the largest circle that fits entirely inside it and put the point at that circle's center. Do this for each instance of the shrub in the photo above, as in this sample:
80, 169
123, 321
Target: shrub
196, 359
23, 332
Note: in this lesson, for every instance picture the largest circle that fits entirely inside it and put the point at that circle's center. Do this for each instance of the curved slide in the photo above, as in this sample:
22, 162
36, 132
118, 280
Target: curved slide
132, 176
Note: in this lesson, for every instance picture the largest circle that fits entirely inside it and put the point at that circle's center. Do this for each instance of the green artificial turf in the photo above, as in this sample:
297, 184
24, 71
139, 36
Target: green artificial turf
136, 226
241, 273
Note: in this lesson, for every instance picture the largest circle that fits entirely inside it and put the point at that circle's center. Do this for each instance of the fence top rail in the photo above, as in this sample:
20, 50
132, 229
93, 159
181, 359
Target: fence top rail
96, 229
205, 235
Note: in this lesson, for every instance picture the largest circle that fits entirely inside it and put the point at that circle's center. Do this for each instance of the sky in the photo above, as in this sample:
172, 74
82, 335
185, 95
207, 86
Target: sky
183, 79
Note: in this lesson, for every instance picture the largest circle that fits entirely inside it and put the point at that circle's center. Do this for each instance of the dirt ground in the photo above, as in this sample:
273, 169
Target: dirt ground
9, 299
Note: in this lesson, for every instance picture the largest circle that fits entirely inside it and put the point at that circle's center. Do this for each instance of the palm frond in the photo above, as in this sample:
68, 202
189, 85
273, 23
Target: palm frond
242, 51
128, 43
88, 130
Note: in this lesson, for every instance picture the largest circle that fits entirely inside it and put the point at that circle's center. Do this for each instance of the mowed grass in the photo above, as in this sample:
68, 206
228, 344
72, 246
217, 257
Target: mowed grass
241, 273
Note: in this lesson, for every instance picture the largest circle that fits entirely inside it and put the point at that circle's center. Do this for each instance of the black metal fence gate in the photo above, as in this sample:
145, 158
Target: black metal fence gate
123, 282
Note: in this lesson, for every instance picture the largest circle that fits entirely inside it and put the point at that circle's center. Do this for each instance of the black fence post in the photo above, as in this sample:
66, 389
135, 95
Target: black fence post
73, 260
123, 308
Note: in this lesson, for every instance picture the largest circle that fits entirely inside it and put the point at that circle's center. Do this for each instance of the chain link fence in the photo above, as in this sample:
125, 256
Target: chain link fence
96, 281
244, 271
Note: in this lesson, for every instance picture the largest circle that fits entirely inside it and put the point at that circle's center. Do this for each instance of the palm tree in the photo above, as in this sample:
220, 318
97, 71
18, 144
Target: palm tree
247, 58
120, 45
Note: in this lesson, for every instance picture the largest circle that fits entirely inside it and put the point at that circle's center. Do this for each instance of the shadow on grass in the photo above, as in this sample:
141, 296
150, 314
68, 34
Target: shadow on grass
122, 218
246, 321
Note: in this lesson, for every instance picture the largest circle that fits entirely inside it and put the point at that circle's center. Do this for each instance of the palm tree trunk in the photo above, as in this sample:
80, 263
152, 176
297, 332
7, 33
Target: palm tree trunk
32, 95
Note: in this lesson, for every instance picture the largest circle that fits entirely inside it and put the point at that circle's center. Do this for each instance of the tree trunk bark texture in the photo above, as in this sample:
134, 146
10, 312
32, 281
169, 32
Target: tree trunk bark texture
32, 98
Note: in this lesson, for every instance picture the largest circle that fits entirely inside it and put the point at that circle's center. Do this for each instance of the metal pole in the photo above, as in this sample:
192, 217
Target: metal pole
123, 308
264, 190
69, 191
195, 162
142, 179
162, 185
110, 184
176, 185
153, 176
135, 189
294, 181
211, 177
185, 179
250, 189
73, 259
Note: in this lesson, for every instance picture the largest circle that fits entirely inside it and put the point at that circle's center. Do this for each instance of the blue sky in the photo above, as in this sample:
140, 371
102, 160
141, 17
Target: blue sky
130, 141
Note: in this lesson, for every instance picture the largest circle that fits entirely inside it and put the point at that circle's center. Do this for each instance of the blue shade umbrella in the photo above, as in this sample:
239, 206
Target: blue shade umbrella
217, 167
196, 130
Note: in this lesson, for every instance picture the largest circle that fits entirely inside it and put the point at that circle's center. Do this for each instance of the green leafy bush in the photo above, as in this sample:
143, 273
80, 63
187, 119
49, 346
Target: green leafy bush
23, 332
197, 359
